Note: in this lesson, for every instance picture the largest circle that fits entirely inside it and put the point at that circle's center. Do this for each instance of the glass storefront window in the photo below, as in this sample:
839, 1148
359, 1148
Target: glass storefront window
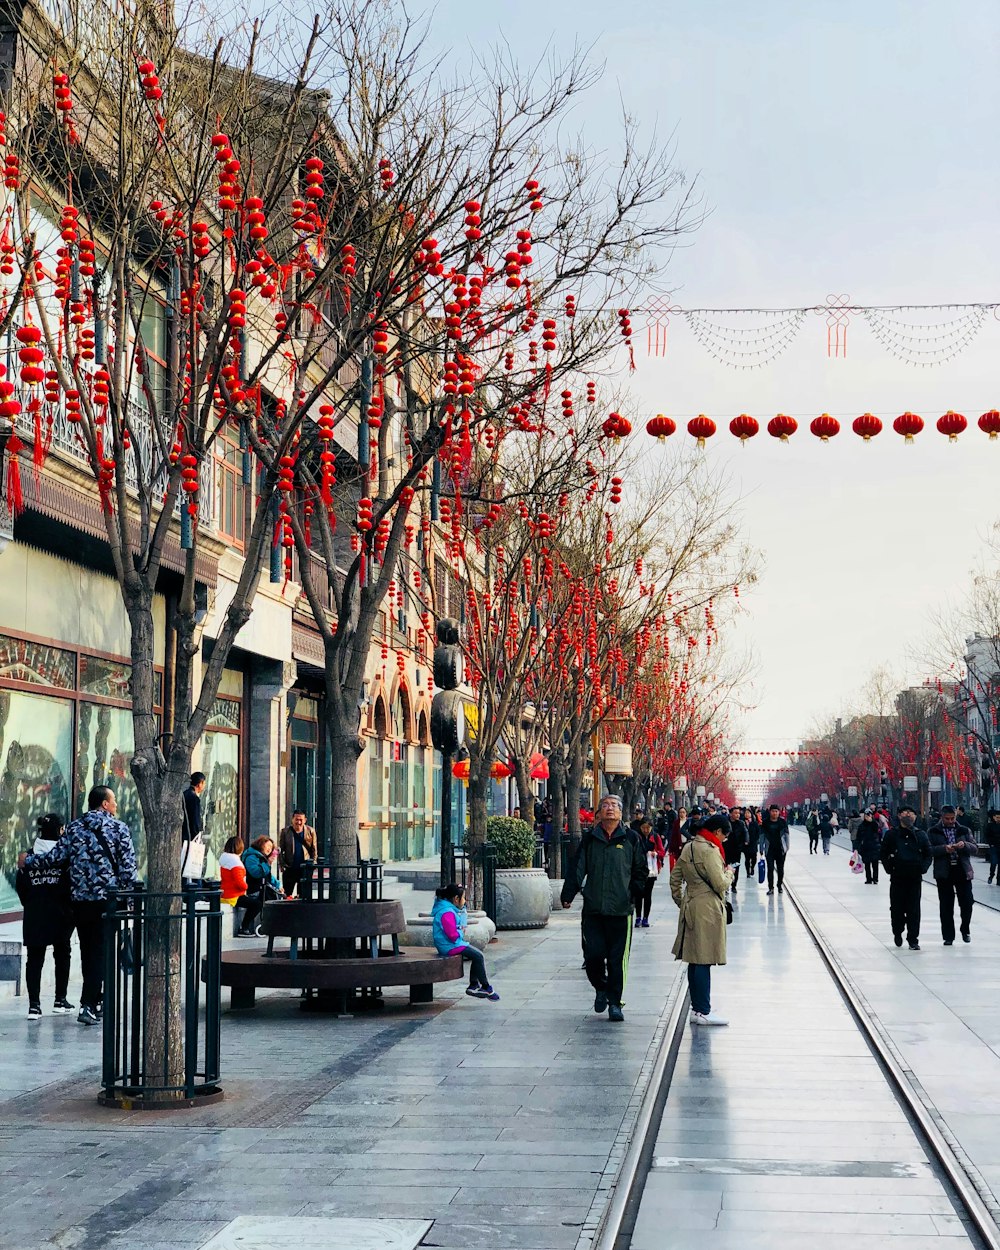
36, 663
104, 758
220, 800
108, 678
376, 799
36, 757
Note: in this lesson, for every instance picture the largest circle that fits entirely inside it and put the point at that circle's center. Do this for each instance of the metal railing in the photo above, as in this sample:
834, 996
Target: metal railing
463, 864
147, 1062
320, 879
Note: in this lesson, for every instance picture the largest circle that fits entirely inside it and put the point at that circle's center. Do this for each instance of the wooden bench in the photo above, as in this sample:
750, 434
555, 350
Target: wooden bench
317, 933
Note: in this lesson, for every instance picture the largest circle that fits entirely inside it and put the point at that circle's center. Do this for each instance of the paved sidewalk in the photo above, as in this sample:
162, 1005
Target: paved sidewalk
500, 1122
780, 1132
939, 1005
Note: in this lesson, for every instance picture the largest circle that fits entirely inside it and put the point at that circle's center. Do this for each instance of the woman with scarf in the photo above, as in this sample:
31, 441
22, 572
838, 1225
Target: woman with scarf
698, 884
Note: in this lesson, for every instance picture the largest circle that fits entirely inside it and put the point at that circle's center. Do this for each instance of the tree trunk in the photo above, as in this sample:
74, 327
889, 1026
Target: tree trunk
557, 798
574, 782
525, 795
479, 784
344, 747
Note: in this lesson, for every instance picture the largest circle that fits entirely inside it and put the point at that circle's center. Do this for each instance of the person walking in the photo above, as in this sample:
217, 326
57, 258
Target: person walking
774, 831
698, 886
812, 828
825, 831
98, 851
296, 844
610, 870
750, 848
953, 850
48, 920
993, 843
656, 853
736, 845
906, 856
869, 843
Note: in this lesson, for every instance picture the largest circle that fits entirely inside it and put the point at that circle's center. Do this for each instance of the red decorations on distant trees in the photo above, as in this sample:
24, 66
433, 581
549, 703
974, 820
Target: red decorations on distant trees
952, 424
616, 427
500, 771
661, 427
782, 427
825, 427
989, 423
867, 426
744, 426
909, 425
701, 428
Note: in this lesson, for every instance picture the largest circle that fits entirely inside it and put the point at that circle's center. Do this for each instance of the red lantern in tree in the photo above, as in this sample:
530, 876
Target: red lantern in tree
539, 767
782, 427
460, 769
616, 426
989, 423
825, 427
909, 425
867, 426
744, 426
701, 427
500, 771
661, 427
952, 424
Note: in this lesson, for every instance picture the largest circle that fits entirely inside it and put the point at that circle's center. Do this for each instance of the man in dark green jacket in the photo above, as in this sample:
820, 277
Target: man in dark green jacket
610, 870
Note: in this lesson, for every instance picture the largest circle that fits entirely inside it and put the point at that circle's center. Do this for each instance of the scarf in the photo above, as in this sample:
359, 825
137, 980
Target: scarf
714, 839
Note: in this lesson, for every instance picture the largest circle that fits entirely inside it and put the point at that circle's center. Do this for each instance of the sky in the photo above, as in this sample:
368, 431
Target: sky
838, 148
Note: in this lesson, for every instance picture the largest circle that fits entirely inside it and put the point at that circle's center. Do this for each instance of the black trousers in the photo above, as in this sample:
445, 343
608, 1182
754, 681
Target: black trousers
750, 856
477, 967
33, 970
775, 859
955, 886
871, 870
736, 874
904, 905
606, 944
89, 920
290, 878
814, 843
643, 905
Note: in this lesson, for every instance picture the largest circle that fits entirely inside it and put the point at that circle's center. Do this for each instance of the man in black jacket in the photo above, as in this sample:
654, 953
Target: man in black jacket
993, 842
194, 823
953, 848
775, 833
735, 845
906, 856
610, 869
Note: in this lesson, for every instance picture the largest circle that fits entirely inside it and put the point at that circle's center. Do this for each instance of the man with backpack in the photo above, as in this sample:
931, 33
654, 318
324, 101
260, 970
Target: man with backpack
812, 828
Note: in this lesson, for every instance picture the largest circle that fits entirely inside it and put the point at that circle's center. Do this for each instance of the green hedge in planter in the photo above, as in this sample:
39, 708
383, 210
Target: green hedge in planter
514, 840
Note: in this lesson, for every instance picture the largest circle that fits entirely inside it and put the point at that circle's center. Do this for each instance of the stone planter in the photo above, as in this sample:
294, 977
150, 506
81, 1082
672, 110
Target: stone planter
480, 930
524, 898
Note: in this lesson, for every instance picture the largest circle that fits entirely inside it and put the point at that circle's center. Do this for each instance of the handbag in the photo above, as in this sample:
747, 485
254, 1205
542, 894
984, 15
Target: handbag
653, 863
193, 858
761, 869
857, 864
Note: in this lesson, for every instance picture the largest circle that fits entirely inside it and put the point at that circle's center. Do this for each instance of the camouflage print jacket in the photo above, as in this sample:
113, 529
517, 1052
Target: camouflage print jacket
93, 873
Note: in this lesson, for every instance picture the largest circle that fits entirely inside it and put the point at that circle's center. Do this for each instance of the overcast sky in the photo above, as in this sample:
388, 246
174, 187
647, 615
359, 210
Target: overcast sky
846, 147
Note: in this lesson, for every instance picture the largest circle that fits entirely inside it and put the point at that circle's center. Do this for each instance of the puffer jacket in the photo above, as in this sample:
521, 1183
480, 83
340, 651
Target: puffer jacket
448, 927
99, 853
610, 871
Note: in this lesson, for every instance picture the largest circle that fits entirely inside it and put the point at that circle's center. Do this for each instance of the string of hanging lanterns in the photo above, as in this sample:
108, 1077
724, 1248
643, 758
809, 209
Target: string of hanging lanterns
824, 427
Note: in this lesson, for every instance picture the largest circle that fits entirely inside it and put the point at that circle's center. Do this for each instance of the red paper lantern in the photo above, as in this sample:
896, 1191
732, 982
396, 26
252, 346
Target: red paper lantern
825, 427
744, 427
500, 771
460, 769
661, 427
909, 425
616, 426
539, 767
701, 427
989, 423
952, 424
782, 427
867, 426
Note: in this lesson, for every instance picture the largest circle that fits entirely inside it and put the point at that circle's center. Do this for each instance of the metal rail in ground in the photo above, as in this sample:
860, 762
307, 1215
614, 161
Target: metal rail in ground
615, 1229
976, 1204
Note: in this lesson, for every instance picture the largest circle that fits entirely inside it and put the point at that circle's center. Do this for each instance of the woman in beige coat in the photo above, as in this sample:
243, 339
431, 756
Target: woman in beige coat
698, 884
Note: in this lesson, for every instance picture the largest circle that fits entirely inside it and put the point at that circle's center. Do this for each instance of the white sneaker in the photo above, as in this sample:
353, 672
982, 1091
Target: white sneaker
711, 1018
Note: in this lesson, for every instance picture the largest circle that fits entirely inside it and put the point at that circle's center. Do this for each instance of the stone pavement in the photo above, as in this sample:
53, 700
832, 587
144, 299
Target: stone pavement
499, 1122
780, 1131
939, 1005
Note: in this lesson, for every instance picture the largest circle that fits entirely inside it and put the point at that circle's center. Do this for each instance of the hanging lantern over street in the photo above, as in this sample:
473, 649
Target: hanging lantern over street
743, 427
500, 771
989, 423
661, 427
952, 424
867, 426
825, 427
909, 425
460, 769
782, 427
538, 767
701, 427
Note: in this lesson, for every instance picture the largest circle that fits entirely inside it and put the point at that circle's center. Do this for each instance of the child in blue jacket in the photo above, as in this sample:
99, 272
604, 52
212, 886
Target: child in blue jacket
449, 918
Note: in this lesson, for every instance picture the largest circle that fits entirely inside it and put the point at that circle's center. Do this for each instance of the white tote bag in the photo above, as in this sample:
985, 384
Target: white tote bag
193, 859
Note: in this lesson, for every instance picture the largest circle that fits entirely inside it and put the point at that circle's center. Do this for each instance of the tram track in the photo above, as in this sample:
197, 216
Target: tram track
969, 1194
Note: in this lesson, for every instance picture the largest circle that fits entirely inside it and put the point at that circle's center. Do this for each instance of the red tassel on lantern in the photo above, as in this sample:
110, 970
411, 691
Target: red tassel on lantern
15, 494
